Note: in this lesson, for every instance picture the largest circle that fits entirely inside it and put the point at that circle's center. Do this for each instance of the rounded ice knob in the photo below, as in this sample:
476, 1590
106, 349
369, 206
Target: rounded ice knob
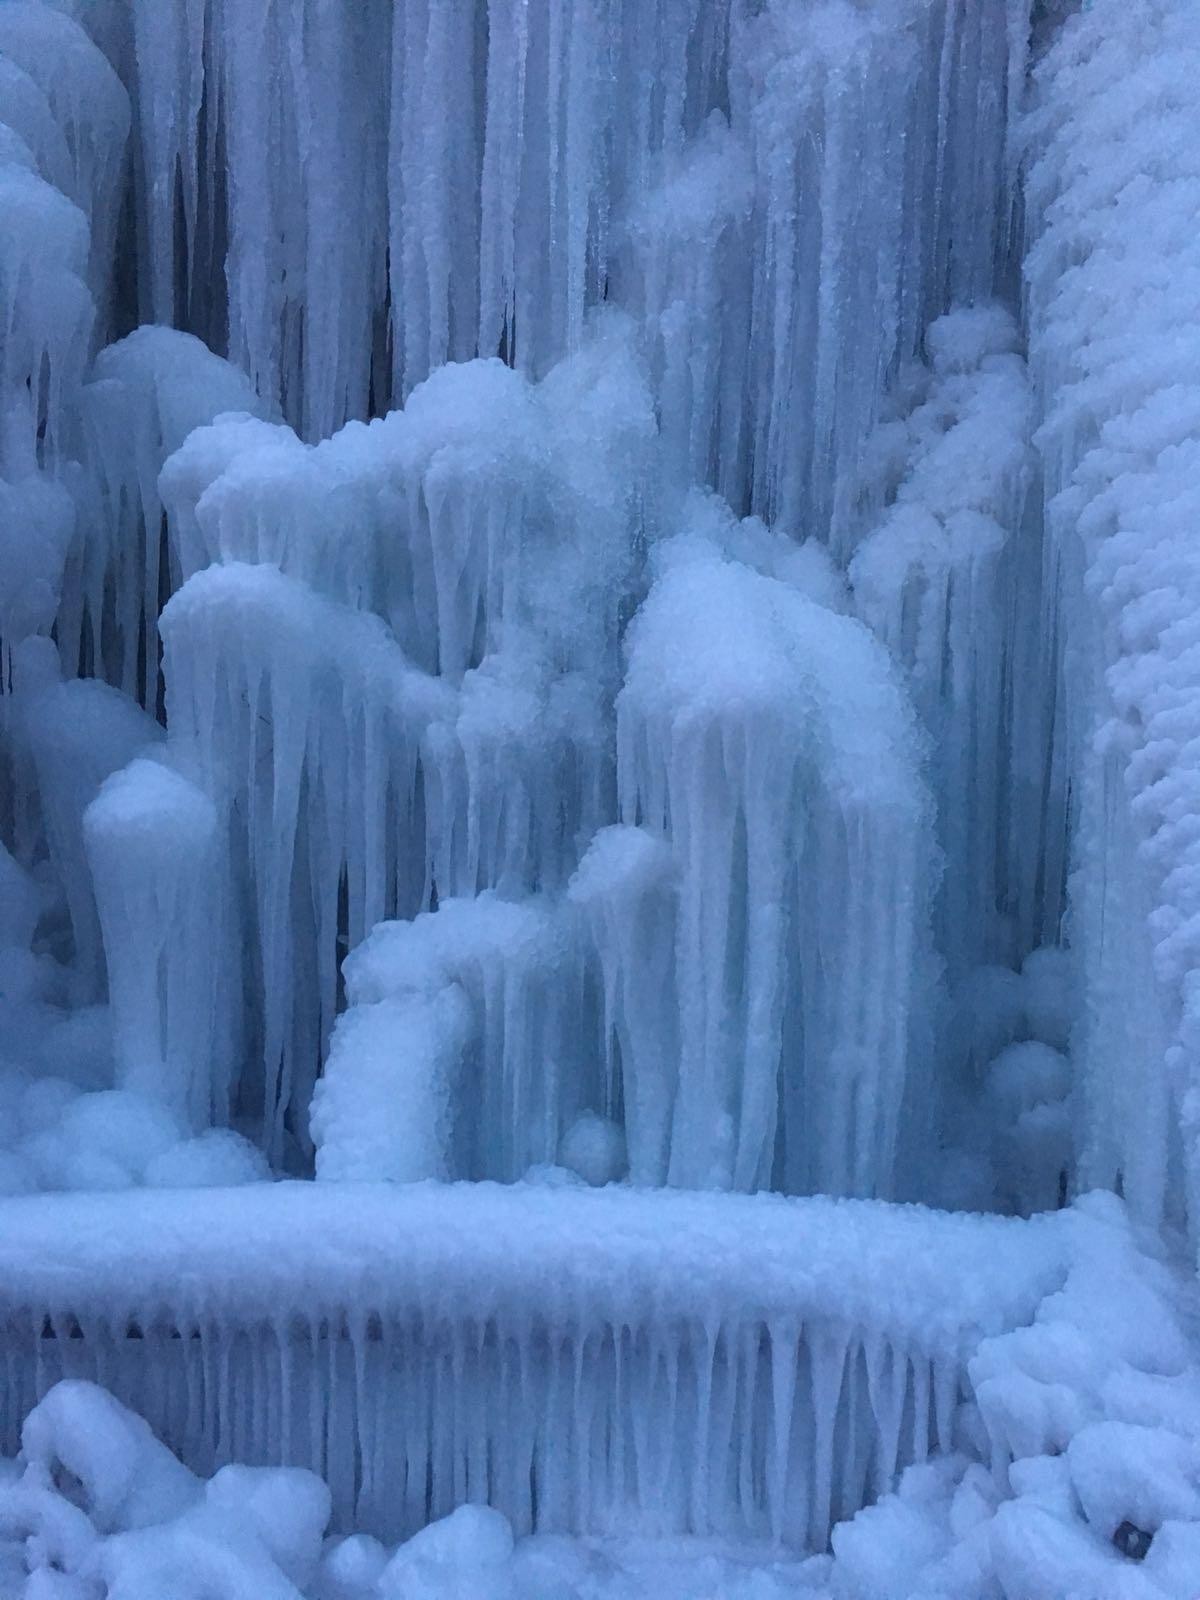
594, 1147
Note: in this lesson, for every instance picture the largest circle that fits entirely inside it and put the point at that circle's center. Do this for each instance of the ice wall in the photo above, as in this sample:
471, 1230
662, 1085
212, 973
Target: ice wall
1112, 276
622, 722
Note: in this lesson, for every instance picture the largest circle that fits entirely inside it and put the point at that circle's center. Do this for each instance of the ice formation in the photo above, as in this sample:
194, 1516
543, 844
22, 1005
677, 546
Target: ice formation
597, 619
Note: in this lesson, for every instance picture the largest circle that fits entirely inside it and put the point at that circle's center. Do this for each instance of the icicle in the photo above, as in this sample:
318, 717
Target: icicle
934, 580
146, 394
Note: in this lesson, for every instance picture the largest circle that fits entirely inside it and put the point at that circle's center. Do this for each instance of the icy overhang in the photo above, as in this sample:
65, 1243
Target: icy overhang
936, 1281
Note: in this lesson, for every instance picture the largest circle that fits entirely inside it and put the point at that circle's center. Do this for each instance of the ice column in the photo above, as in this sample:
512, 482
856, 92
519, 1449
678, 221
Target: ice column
308, 722
78, 732
768, 740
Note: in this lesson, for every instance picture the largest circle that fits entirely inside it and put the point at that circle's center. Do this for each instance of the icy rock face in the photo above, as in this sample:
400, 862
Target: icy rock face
1111, 277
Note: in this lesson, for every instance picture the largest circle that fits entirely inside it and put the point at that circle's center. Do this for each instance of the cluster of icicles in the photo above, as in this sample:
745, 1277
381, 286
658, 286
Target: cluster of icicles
629, 807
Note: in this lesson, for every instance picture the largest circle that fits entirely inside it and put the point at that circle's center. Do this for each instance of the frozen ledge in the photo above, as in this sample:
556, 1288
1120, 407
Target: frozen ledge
564, 1256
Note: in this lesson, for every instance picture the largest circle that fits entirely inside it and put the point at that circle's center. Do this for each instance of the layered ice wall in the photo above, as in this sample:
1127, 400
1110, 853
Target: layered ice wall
397, 667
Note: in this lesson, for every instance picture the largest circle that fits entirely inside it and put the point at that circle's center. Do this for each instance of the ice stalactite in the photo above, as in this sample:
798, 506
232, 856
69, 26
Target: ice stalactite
63, 125
48, 318
1111, 278
90, 105
158, 870
169, 155
433, 197
31, 136
304, 291
767, 738
936, 581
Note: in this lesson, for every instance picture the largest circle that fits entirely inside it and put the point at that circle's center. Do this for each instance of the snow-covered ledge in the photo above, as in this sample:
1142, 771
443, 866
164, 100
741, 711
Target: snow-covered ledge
584, 1359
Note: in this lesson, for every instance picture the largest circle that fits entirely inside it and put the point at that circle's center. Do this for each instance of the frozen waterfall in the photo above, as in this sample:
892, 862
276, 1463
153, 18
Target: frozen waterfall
595, 595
